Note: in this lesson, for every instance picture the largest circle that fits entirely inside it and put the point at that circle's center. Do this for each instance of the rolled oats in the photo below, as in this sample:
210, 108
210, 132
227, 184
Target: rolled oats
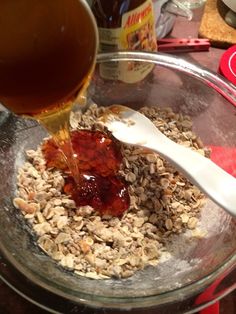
185, 218
169, 224
28, 208
62, 238
192, 222
162, 203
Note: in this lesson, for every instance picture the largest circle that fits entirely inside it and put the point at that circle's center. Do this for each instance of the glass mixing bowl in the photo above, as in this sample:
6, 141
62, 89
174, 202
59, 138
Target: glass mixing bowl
175, 285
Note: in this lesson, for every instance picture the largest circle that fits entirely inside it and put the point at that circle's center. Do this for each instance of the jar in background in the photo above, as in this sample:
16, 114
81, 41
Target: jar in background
125, 25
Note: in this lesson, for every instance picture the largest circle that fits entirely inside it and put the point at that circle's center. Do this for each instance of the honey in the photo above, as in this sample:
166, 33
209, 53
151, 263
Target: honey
98, 159
47, 53
47, 56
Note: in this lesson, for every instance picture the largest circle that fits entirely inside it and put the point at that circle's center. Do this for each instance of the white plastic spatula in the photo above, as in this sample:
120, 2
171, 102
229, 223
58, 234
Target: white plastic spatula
132, 127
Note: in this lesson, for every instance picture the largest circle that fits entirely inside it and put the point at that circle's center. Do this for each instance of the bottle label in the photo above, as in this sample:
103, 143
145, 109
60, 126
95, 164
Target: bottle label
137, 32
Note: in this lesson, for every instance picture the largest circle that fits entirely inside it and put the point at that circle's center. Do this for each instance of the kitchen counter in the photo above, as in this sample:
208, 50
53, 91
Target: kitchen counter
10, 301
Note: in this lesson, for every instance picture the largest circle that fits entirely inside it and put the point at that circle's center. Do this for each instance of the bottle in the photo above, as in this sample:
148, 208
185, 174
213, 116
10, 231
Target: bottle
125, 25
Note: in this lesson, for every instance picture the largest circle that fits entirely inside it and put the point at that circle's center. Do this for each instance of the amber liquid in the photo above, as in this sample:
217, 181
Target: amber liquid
98, 158
47, 55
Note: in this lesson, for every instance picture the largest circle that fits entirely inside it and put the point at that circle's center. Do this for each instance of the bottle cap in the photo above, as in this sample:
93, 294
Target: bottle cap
228, 64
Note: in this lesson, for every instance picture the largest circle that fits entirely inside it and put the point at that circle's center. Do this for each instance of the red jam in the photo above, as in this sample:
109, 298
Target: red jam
98, 157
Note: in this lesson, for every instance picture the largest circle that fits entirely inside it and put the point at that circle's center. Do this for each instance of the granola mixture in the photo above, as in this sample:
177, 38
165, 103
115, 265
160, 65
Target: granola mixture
163, 203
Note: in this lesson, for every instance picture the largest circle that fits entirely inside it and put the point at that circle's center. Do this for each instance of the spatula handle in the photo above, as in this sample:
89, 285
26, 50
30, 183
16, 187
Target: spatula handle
201, 171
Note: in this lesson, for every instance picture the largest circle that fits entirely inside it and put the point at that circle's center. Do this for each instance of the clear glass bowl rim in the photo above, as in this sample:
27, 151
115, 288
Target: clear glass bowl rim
223, 87
208, 77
